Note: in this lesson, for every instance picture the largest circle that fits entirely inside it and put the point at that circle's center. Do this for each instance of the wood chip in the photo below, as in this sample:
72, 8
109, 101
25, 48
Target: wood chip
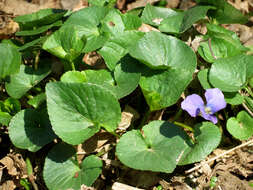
121, 186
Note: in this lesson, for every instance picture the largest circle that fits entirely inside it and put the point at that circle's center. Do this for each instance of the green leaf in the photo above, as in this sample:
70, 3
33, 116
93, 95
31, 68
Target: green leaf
241, 126
113, 23
157, 149
30, 130
225, 13
203, 78
5, 118
207, 137
97, 2
73, 76
27, 78
229, 74
223, 43
89, 19
38, 30
11, 105
233, 98
173, 21
155, 15
35, 43
77, 111
37, 100
40, 18
10, 60
163, 88
61, 170
126, 77
193, 15
117, 47
67, 43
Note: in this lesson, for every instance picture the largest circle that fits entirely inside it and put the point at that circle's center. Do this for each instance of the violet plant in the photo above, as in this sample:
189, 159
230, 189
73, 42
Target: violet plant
195, 106
65, 102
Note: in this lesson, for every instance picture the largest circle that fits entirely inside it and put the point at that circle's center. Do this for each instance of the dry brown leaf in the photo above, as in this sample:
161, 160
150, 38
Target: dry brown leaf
140, 3
121, 186
84, 187
7, 185
147, 28
21, 7
96, 142
9, 164
128, 116
172, 3
94, 59
82, 4
7, 25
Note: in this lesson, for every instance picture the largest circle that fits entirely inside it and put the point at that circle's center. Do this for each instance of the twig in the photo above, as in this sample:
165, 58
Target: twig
223, 154
246, 108
210, 47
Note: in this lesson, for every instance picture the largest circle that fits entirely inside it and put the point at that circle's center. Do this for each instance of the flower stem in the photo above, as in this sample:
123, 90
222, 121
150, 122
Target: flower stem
249, 91
73, 66
183, 125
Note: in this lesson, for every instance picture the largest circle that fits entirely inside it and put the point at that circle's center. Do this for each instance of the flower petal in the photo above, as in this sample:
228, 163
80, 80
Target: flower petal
208, 117
192, 104
215, 99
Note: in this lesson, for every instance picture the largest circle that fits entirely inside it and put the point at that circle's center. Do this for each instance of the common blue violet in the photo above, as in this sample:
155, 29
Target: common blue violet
195, 106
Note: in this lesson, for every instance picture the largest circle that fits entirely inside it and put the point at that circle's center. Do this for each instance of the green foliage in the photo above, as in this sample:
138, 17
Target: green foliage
27, 78
61, 169
127, 64
77, 111
241, 126
30, 130
10, 60
156, 51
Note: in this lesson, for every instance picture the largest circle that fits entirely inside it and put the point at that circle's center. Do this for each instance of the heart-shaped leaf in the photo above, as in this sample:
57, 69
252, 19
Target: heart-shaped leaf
220, 43
67, 43
126, 77
10, 60
241, 126
162, 88
89, 19
157, 149
27, 78
30, 130
229, 74
117, 47
206, 138
61, 169
171, 20
77, 110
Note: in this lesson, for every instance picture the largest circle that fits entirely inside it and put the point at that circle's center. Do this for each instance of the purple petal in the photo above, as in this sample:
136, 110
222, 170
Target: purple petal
215, 99
192, 104
208, 117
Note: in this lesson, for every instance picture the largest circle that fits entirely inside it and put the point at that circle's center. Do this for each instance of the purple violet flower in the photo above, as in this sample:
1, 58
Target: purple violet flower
195, 106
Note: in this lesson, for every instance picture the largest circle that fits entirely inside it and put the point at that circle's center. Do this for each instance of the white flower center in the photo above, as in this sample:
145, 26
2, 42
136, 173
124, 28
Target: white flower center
208, 110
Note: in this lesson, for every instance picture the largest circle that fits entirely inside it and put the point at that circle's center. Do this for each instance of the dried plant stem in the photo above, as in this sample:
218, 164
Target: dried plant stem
210, 47
220, 155
248, 110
